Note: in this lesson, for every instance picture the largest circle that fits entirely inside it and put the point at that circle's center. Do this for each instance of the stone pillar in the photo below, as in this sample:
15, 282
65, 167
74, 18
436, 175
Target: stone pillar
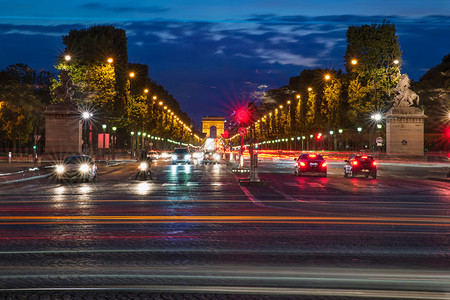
63, 130
405, 131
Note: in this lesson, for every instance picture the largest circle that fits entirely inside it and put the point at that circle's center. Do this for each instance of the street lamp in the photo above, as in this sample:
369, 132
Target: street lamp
132, 144
67, 57
110, 60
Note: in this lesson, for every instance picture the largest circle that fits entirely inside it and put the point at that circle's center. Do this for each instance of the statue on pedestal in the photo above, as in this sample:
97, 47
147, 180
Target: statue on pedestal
405, 97
404, 122
65, 91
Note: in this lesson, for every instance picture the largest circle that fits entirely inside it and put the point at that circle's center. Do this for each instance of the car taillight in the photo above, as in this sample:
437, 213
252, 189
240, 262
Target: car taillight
302, 164
374, 163
324, 165
355, 163
312, 156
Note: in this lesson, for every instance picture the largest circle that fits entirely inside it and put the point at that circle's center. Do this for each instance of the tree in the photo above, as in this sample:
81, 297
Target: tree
432, 89
93, 46
20, 110
373, 56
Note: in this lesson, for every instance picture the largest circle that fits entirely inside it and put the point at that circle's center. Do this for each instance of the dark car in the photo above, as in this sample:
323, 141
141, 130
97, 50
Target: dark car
80, 167
181, 155
211, 157
360, 165
311, 164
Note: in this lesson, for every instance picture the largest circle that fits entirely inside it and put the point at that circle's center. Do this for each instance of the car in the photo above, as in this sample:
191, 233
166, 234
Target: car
211, 157
311, 164
81, 167
360, 165
181, 155
153, 155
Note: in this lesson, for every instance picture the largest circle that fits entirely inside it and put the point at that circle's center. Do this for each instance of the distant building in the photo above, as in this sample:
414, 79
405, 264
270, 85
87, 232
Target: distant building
213, 127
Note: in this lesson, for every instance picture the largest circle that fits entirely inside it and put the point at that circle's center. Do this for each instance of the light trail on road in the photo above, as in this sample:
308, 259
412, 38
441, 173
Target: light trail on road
391, 221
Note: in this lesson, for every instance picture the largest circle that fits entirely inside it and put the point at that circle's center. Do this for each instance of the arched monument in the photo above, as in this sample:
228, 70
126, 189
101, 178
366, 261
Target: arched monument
63, 126
405, 123
213, 127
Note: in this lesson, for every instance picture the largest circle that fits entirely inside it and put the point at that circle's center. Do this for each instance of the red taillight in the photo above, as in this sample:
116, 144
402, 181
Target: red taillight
324, 165
302, 164
374, 163
312, 156
355, 163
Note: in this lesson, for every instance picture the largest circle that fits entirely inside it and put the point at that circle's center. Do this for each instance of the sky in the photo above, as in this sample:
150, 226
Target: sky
213, 54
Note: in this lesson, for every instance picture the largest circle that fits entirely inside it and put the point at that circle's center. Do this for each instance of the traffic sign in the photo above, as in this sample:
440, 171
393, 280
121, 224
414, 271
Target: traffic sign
242, 131
379, 141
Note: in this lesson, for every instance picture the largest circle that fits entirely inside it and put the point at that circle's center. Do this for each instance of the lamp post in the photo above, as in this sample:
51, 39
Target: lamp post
104, 139
138, 145
114, 128
359, 129
132, 145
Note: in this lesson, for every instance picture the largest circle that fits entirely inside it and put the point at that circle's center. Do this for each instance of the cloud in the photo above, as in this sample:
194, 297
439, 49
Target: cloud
128, 8
31, 32
286, 58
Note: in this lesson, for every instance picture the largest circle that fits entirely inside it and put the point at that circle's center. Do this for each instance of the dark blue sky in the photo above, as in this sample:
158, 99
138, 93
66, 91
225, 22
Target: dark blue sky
209, 54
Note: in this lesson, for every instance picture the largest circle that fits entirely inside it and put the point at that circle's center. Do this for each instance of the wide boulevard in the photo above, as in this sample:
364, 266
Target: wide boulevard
193, 228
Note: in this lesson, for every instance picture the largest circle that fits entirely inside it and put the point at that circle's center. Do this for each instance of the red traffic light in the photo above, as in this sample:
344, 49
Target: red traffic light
242, 115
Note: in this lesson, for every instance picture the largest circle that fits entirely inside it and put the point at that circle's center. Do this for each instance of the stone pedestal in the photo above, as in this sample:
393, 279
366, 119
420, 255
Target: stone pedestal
63, 130
405, 131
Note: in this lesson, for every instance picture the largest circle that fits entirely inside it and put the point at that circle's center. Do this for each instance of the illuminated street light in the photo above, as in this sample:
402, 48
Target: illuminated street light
154, 97
327, 77
341, 130
354, 62
396, 62
281, 106
146, 91
110, 60
67, 57
359, 129
132, 74
86, 115
288, 102
309, 89
298, 96
377, 117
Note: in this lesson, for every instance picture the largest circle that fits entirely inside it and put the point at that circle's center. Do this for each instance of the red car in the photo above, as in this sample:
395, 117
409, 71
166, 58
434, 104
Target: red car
312, 164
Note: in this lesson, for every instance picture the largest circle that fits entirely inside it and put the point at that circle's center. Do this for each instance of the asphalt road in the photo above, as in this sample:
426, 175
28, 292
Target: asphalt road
195, 229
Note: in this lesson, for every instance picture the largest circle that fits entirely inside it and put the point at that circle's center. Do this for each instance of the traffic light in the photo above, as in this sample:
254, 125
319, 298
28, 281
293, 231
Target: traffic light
319, 136
246, 116
242, 116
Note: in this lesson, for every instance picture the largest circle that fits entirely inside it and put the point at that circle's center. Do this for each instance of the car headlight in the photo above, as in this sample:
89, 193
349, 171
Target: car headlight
216, 156
84, 168
187, 156
60, 169
143, 166
174, 157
